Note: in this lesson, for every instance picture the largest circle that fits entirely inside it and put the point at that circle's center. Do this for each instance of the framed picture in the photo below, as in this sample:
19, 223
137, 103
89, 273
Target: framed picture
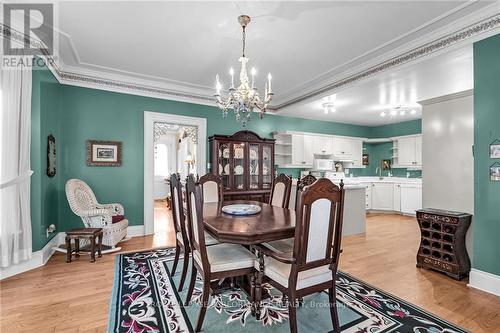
386, 164
495, 172
104, 153
366, 160
495, 149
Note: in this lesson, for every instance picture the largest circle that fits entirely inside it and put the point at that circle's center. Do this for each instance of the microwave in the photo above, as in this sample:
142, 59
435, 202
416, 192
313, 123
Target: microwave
323, 164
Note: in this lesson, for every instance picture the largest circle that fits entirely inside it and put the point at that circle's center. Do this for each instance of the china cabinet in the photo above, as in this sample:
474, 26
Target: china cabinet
245, 162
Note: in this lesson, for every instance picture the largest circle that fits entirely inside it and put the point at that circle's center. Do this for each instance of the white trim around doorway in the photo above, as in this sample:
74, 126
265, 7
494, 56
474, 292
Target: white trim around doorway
149, 119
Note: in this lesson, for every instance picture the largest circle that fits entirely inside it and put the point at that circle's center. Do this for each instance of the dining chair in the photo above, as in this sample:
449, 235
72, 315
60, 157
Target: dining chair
286, 245
214, 262
181, 232
280, 194
211, 187
313, 264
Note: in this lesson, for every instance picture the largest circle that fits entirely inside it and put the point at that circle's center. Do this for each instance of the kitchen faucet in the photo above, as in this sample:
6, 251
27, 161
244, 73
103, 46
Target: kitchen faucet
379, 172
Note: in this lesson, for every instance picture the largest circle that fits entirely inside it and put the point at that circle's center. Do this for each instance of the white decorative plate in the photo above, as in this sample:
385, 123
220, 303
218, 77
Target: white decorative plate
253, 154
265, 170
221, 169
241, 209
238, 152
238, 170
226, 169
225, 153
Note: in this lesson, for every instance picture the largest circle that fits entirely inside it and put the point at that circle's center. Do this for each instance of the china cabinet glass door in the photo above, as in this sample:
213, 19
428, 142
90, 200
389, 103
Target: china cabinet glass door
239, 166
267, 177
225, 163
254, 165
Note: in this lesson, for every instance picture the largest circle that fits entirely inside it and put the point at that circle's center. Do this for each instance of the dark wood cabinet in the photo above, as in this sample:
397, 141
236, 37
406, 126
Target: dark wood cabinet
442, 242
245, 162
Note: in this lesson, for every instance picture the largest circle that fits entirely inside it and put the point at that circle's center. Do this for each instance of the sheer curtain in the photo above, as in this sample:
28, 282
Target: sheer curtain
15, 135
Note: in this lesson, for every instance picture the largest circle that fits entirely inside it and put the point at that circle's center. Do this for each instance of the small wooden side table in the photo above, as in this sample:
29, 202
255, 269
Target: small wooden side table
93, 234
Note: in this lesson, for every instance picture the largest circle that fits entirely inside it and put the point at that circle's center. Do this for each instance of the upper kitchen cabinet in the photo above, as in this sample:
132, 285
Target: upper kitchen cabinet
407, 152
322, 145
342, 148
302, 150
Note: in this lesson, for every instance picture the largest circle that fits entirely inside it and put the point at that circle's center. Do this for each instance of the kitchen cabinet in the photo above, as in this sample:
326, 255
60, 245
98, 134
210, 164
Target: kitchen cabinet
382, 195
357, 153
408, 152
411, 198
302, 154
368, 195
397, 198
342, 148
322, 145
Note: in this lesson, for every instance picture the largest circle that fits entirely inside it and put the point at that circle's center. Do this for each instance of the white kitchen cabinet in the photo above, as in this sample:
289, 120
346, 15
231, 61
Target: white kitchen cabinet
368, 195
357, 152
408, 152
322, 145
397, 198
302, 150
342, 148
411, 198
382, 196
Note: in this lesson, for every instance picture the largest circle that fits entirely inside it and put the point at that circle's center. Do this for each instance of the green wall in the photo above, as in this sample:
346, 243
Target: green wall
75, 114
486, 129
45, 113
398, 129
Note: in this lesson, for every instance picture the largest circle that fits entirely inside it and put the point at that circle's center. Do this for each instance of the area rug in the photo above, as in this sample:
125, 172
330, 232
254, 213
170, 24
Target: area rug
145, 299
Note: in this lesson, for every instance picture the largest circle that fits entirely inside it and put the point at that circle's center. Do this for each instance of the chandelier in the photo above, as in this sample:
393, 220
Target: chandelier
245, 98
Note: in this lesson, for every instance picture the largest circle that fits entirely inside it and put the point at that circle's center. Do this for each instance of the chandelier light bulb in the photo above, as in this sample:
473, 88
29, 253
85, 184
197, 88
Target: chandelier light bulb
413, 111
383, 114
402, 113
394, 112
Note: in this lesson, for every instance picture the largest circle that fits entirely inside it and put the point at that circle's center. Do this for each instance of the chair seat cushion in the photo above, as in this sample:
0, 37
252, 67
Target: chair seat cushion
226, 257
280, 272
209, 240
117, 218
282, 245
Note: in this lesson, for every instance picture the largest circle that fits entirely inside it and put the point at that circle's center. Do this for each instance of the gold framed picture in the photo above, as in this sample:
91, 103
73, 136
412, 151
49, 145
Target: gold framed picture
104, 153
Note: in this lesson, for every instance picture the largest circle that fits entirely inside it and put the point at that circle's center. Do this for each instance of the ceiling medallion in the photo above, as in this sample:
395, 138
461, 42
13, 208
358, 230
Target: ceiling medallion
244, 99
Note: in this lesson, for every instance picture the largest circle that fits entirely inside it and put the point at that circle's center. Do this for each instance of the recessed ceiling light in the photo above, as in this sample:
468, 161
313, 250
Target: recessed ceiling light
383, 114
413, 111
394, 112
402, 113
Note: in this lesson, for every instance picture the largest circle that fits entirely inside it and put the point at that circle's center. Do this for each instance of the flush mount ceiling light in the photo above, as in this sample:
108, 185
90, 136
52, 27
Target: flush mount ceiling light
244, 99
399, 110
328, 107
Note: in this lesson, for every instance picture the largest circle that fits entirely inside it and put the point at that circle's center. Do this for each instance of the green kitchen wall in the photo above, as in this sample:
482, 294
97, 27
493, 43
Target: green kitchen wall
76, 114
486, 130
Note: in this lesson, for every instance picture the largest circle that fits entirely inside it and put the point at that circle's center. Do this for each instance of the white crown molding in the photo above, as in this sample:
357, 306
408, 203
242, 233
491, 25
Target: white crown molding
448, 97
484, 281
478, 25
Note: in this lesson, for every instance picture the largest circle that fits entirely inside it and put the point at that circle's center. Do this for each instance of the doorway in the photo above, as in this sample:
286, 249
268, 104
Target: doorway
172, 144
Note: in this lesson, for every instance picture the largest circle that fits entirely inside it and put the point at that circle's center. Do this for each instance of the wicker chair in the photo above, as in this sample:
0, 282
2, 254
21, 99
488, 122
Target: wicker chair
83, 203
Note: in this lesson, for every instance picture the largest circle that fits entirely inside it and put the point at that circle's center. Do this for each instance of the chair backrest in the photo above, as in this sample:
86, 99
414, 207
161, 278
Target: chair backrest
280, 194
211, 187
194, 199
301, 183
177, 207
80, 196
318, 226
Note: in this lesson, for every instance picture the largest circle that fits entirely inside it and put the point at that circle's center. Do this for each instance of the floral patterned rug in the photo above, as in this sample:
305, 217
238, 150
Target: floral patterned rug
145, 299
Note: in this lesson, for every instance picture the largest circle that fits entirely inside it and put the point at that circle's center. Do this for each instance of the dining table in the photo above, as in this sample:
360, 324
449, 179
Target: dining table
270, 224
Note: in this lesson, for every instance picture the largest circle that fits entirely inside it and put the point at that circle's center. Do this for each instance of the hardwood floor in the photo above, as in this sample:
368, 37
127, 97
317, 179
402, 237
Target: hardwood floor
61, 297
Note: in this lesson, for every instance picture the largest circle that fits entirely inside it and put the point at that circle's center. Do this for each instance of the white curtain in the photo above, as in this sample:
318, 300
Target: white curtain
15, 136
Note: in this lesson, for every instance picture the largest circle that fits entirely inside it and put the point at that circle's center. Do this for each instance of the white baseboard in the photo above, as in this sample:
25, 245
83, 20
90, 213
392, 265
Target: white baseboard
38, 258
484, 281
135, 231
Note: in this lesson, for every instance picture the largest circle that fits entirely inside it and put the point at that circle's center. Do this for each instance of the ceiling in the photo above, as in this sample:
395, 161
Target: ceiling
363, 103
181, 46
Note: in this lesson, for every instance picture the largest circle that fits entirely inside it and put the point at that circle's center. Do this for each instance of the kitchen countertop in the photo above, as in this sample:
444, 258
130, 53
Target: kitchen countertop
352, 183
